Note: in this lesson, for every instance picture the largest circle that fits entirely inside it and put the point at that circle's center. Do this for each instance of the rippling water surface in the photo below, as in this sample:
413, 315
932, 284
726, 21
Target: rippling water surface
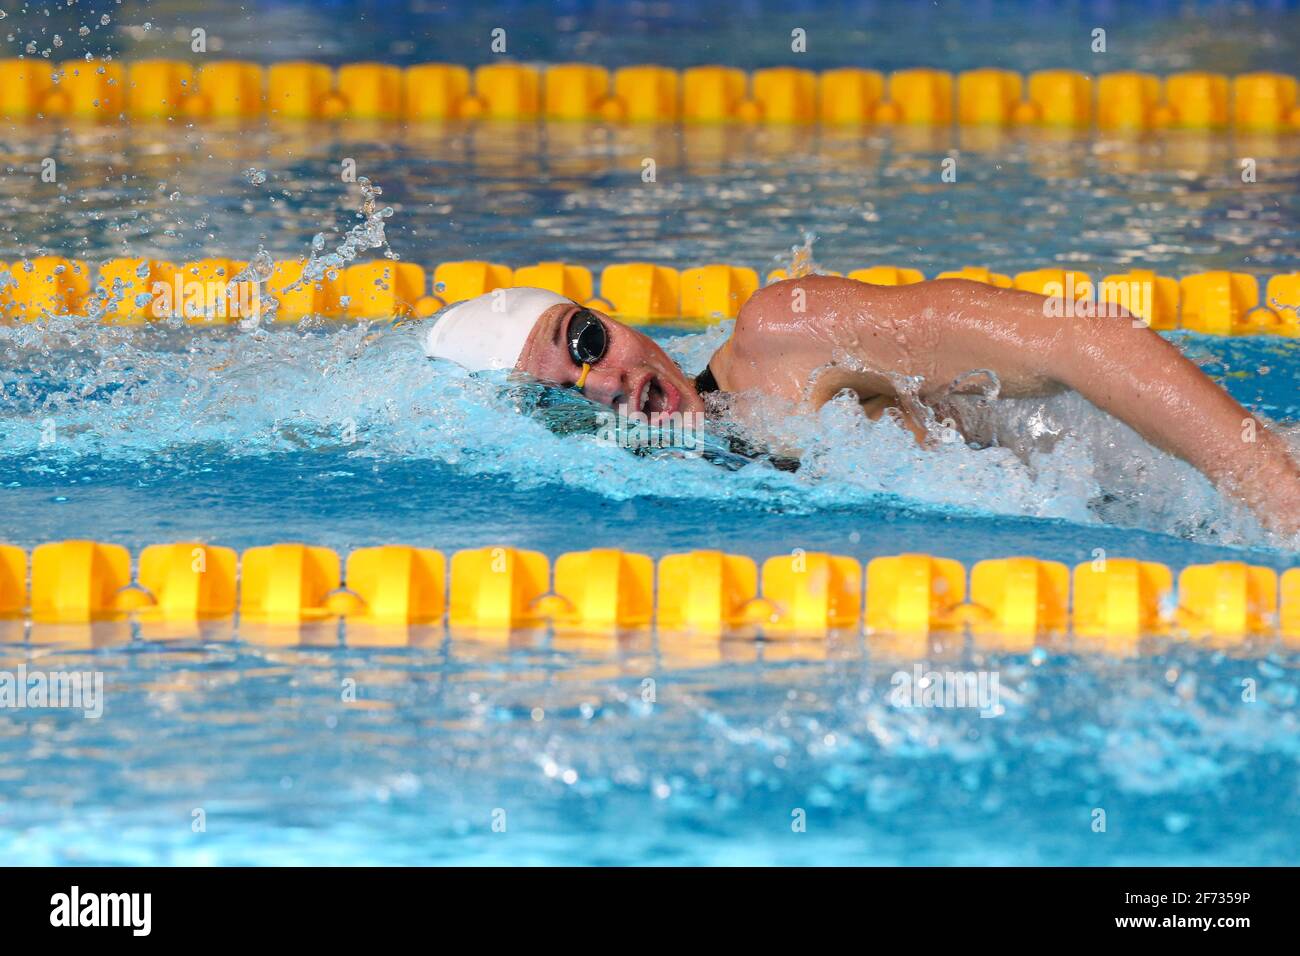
652, 748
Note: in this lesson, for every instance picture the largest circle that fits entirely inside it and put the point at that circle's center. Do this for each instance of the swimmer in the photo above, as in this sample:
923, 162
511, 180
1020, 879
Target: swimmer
806, 340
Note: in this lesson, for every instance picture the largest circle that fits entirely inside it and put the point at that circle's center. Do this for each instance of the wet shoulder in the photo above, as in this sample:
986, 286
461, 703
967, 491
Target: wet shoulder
791, 306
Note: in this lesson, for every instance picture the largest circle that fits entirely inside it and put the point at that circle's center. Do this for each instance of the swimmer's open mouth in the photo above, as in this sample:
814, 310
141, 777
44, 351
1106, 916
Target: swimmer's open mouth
655, 396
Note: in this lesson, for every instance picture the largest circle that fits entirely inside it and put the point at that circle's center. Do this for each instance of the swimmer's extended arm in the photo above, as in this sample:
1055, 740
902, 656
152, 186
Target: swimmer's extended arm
1146, 382
1130, 372
837, 333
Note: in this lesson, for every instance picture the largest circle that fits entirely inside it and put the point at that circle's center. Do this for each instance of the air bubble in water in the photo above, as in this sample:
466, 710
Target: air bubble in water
255, 176
83, 31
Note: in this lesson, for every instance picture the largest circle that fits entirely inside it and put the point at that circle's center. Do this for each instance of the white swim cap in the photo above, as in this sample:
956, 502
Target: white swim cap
490, 331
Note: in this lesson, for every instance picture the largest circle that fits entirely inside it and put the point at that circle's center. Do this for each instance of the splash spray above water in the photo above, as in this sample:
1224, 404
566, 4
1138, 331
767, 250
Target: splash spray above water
801, 258
321, 264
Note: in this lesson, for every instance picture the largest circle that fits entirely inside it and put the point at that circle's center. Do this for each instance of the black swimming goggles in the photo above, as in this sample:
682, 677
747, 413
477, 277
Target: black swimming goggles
588, 341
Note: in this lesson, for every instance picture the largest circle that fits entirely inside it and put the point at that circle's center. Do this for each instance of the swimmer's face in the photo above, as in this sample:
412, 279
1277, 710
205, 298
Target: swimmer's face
633, 372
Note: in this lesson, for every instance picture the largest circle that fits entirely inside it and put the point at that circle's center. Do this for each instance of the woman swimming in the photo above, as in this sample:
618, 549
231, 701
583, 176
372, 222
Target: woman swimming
806, 340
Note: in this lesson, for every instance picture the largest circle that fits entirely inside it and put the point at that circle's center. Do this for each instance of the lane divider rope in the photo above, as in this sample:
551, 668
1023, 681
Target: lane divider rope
130, 291
238, 90
709, 593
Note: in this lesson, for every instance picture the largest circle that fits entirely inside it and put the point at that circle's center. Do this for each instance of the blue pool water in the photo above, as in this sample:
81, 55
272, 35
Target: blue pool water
343, 435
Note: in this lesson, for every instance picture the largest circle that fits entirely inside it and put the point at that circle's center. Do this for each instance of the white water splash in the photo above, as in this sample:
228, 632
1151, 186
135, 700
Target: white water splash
364, 236
131, 393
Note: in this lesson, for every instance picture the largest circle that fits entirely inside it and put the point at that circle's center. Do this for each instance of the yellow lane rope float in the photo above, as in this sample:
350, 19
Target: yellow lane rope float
132, 291
1016, 600
240, 91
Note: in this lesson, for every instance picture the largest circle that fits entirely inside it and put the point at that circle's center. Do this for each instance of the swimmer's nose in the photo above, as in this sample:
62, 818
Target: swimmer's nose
607, 386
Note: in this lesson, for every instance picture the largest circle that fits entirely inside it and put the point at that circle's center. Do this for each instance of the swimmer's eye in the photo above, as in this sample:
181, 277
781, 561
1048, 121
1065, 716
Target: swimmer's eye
587, 338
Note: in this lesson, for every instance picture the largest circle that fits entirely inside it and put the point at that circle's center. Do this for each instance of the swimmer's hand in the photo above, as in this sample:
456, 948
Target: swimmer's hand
877, 406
